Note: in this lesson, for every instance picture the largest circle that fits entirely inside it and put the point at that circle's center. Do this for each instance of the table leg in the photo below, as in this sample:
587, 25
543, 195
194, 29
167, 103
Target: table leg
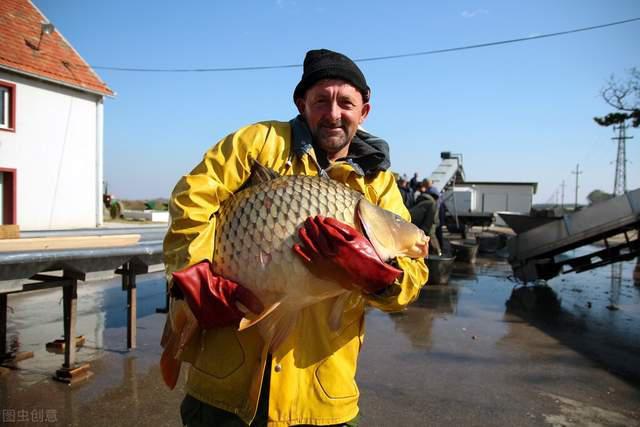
70, 371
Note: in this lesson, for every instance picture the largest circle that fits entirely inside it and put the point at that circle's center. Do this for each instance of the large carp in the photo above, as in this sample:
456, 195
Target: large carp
255, 233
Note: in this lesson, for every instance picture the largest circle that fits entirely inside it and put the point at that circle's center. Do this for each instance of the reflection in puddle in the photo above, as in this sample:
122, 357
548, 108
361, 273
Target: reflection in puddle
36, 318
539, 297
616, 284
416, 322
575, 309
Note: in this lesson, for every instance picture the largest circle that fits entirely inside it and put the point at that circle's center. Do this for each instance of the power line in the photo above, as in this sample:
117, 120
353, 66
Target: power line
369, 59
480, 45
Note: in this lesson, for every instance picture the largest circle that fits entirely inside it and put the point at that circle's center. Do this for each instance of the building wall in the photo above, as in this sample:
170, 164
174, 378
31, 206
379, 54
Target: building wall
513, 198
53, 150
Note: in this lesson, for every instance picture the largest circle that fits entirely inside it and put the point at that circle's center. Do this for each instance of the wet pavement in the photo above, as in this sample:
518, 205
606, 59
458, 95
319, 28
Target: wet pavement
455, 357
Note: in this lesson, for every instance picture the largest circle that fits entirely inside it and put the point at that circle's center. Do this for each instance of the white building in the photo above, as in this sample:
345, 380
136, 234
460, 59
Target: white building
484, 199
500, 196
51, 126
479, 198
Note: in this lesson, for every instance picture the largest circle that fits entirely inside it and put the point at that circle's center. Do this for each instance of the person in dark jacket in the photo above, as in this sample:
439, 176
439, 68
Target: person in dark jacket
414, 184
406, 192
440, 215
424, 214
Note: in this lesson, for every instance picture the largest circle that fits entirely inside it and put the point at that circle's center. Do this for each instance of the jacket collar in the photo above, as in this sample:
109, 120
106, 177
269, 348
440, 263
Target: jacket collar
368, 154
301, 135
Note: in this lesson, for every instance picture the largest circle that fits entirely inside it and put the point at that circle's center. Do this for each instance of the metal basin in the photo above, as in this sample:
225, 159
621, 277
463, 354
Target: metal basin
488, 243
464, 251
439, 269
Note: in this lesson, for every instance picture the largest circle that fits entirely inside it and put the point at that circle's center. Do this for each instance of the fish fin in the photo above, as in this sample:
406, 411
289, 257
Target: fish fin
337, 310
169, 365
180, 327
259, 174
282, 329
242, 308
248, 322
166, 332
274, 323
188, 332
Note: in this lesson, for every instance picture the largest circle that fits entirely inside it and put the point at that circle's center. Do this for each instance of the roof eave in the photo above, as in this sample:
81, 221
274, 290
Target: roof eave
91, 70
58, 82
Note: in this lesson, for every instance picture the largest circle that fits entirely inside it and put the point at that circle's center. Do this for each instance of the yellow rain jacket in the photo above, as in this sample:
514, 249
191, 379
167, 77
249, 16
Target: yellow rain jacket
313, 372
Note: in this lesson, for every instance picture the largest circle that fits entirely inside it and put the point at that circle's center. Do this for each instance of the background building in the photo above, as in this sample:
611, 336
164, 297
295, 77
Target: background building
51, 126
491, 197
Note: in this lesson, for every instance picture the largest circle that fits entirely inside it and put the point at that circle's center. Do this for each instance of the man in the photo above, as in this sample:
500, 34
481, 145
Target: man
405, 191
232, 379
424, 214
414, 184
441, 215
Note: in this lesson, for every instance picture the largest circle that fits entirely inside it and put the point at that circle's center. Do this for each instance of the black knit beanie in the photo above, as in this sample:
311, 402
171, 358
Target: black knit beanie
324, 64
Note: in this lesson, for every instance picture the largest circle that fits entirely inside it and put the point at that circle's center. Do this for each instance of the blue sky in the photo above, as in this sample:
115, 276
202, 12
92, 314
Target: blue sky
518, 112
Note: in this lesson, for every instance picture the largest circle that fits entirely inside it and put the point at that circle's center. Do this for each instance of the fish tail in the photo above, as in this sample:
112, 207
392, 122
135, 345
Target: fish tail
337, 310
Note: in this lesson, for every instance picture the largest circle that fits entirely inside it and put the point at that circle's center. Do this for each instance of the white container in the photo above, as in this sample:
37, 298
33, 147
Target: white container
461, 200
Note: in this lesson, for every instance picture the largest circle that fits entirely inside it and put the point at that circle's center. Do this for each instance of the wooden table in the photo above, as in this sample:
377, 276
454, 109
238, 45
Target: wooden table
24, 271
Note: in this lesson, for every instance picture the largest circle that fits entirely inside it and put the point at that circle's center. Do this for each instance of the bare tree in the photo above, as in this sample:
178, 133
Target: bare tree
624, 96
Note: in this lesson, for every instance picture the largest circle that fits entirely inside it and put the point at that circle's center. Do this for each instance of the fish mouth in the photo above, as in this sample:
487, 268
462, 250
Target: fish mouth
421, 248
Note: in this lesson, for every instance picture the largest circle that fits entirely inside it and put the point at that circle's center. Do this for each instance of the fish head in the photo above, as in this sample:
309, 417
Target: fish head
389, 234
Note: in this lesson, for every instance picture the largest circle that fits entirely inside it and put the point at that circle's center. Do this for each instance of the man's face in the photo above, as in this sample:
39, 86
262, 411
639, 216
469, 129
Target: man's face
333, 110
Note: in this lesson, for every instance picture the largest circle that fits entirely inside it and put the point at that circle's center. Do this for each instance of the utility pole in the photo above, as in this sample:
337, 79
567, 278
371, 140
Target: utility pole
562, 200
577, 174
620, 180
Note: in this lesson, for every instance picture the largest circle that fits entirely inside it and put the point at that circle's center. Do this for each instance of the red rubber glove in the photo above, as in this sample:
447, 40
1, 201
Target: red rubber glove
327, 239
212, 299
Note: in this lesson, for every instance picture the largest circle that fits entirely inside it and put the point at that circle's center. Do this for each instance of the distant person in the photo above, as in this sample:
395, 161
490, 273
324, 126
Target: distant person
441, 215
405, 191
414, 184
424, 214
431, 189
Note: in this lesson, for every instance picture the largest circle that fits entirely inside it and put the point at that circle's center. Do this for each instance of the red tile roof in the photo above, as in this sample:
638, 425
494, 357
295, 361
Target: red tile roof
55, 59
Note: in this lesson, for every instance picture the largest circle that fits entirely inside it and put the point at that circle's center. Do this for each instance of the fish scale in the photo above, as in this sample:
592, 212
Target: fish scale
257, 229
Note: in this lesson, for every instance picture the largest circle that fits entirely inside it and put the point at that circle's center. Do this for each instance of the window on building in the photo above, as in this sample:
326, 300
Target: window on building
7, 106
7, 196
